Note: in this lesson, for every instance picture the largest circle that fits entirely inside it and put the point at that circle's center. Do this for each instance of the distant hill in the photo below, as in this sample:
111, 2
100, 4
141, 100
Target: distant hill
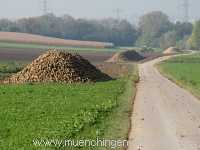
38, 39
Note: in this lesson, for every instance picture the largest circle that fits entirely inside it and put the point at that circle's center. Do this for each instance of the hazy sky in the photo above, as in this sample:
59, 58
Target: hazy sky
131, 9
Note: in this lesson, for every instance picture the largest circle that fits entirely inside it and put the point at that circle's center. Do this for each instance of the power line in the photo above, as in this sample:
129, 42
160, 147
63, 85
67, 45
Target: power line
44, 7
118, 13
185, 7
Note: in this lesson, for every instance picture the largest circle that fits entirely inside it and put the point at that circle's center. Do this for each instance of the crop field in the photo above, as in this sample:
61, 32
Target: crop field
31, 113
15, 37
14, 45
185, 71
22, 46
14, 54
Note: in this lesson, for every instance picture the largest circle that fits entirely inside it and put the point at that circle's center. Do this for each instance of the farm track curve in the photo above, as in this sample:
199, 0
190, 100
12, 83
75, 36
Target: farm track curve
165, 117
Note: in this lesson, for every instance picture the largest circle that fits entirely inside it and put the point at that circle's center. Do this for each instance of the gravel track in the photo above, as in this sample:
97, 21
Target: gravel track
165, 117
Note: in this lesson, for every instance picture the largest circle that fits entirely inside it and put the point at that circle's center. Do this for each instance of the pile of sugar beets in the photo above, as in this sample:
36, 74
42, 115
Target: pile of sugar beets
58, 66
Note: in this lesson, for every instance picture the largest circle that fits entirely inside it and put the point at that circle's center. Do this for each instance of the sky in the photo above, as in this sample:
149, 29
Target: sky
97, 9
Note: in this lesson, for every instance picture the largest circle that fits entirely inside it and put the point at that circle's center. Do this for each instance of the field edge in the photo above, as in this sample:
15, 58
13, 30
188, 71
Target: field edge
164, 73
123, 113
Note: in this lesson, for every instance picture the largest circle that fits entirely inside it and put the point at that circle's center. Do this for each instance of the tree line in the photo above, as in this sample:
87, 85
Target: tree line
153, 30
156, 30
107, 30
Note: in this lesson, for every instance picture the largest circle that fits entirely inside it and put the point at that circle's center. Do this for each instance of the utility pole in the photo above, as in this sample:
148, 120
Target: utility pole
185, 9
44, 8
118, 13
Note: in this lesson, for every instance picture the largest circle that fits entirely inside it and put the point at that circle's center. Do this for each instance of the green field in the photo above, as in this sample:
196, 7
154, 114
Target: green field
58, 111
40, 46
184, 70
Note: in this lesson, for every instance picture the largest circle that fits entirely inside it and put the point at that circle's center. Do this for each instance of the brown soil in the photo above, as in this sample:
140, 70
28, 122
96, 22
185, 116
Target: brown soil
38, 39
171, 50
8, 54
129, 55
56, 66
115, 70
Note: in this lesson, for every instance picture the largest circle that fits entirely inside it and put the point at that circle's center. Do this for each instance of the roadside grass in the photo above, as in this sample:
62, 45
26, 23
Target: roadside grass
58, 111
119, 122
9, 67
40, 46
184, 70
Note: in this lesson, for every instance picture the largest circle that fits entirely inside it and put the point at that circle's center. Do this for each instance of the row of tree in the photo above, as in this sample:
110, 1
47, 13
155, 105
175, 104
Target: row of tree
154, 30
107, 30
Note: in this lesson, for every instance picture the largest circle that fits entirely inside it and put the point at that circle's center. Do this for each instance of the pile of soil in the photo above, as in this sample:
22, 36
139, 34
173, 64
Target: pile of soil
56, 66
129, 55
171, 50
116, 70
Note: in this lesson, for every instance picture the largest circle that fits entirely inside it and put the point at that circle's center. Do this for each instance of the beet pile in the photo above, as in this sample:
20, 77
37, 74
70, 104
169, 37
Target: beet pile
56, 66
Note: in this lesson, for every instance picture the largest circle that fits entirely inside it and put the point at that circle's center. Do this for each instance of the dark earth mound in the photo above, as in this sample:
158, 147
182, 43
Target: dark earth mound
129, 55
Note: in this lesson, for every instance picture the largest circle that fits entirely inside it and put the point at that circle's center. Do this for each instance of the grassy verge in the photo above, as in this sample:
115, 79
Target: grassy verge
40, 46
119, 121
184, 70
9, 67
57, 111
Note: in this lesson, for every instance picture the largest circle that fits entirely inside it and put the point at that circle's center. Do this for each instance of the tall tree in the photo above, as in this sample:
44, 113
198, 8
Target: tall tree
168, 39
152, 26
194, 40
182, 29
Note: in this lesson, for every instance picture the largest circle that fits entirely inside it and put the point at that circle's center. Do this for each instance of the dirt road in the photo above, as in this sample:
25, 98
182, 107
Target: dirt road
165, 117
